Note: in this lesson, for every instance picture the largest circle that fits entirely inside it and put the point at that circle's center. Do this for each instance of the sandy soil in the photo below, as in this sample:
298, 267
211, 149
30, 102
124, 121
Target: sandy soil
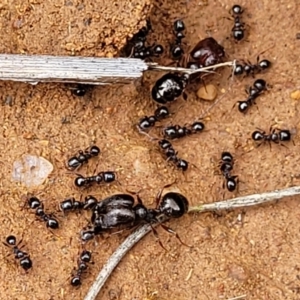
257, 257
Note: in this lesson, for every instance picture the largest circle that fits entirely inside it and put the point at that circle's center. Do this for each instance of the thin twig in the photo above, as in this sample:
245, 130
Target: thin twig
130, 241
154, 66
238, 297
246, 201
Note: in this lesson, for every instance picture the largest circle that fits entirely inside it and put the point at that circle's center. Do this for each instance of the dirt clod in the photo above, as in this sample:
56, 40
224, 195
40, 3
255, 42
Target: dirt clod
208, 92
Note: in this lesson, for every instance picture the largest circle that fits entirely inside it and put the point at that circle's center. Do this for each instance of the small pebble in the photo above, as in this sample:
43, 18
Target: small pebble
295, 95
207, 92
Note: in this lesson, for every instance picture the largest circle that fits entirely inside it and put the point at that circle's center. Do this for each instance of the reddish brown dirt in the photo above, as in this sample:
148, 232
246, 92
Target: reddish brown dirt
258, 257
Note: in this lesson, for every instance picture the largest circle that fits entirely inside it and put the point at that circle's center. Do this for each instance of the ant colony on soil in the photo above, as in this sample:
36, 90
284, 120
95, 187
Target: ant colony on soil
120, 211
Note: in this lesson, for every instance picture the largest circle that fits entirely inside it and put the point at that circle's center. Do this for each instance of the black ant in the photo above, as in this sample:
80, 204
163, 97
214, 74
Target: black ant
82, 264
171, 155
35, 203
258, 87
71, 204
176, 49
249, 68
139, 48
80, 90
148, 52
82, 157
23, 257
276, 136
176, 131
239, 27
101, 177
160, 113
226, 166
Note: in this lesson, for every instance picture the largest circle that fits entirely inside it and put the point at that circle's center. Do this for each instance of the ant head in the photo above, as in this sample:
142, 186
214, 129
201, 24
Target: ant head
178, 26
11, 240
75, 281
86, 256
173, 205
237, 9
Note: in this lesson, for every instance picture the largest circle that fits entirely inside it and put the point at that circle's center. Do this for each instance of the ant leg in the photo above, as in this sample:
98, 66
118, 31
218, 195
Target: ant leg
155, 233
158, 196
170, 230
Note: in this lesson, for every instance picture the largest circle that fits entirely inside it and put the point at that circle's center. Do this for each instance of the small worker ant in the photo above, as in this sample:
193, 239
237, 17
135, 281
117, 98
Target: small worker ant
238, 30
176, 49
226, 166
34, 203
82, 264
160, 113
148, 52
138, 45
101, 177
171, 155
249, 68
82, 157
258, 87
176, 131
71, 204
276, 136
23, 257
